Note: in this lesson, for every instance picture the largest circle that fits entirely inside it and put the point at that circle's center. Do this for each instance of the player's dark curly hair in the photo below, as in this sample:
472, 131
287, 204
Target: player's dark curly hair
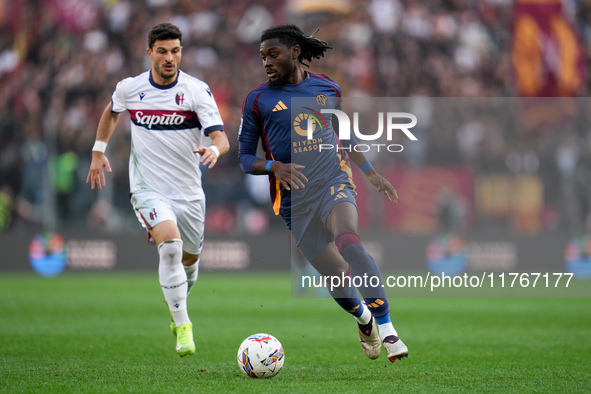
291, 35
164, 31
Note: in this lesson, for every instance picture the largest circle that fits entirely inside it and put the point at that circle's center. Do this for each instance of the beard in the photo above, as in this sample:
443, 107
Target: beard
282, 80
166, 74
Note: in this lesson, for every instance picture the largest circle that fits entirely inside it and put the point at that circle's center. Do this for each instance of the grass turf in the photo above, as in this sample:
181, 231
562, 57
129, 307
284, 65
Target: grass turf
105, 332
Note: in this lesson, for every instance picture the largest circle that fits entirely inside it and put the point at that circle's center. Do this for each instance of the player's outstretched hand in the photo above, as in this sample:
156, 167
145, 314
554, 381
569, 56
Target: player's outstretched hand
383, 186
288, 175
96, 175
208, 156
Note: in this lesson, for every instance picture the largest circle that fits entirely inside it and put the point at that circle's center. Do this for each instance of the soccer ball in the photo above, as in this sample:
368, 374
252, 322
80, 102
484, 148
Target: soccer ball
260, 356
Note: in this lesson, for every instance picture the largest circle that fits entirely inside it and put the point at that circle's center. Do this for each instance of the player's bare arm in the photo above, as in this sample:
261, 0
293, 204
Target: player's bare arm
96, 176
381, 183
219, 146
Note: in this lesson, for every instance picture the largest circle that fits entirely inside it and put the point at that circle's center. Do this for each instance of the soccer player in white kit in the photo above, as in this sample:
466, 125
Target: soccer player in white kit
170, 112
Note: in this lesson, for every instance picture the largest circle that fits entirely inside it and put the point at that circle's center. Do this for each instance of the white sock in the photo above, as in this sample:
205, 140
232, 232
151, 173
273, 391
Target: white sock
365, 316
173, 279
386, 330
192, 272
181, 317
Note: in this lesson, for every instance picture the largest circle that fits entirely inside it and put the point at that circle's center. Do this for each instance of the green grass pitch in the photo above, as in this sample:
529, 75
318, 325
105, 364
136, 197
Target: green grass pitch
108, 333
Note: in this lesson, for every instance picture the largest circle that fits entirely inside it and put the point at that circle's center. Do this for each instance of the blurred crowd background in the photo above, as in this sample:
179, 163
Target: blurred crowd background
61, 59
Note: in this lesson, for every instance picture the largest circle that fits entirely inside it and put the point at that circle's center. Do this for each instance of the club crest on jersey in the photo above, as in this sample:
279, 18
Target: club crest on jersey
322, 100
180, 98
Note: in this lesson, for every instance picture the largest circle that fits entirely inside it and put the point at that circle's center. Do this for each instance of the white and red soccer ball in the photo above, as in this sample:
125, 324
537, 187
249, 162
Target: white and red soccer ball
260, 356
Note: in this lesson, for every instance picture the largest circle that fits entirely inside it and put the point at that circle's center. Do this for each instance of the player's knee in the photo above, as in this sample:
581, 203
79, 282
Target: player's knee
190, 260
171, 251
346, 239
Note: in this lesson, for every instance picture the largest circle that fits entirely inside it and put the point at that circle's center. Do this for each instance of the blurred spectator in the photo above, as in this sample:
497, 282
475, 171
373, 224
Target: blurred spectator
575, 193
451, 211
6, 207
59, 64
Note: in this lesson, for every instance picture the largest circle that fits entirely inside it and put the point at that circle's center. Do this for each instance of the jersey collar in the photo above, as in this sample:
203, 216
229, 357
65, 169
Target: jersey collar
172, 85
295, 85
306, 79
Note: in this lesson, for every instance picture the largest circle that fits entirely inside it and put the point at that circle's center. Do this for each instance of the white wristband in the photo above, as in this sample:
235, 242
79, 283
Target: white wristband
215, 150
99, 146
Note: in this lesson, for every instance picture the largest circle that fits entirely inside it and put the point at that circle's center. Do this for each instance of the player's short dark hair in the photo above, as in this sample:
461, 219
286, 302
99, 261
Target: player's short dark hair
164, 31
291, 35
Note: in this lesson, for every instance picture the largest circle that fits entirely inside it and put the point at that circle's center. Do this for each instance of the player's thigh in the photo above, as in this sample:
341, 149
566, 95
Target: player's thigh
191, 224
342, 217
309, 233
156, 214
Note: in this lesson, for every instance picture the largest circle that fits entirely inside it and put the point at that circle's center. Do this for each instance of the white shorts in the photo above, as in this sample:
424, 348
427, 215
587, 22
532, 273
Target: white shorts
152, 208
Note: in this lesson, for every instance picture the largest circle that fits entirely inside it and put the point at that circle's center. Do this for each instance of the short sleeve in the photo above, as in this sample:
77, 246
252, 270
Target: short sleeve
207, 111
118, 100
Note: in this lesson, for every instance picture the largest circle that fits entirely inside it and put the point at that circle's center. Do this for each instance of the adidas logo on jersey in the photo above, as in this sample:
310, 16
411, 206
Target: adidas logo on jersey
279, 107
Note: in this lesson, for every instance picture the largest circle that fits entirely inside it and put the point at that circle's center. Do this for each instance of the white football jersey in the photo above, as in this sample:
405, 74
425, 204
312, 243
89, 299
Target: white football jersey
168, 122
